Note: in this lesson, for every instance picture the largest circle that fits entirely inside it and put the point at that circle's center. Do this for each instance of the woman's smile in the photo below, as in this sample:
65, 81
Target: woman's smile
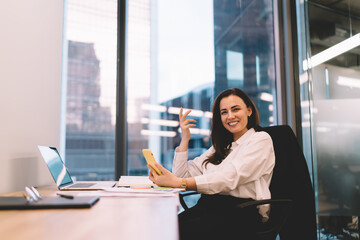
233, 123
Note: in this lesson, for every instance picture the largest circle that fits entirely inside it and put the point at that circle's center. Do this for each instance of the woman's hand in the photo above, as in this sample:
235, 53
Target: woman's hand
166, 179
185, 125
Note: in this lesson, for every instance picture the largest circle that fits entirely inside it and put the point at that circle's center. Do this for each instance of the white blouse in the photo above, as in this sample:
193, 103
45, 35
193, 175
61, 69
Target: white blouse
245, 173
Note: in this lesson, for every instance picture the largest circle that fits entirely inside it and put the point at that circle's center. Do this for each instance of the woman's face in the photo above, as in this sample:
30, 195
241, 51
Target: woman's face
234, 115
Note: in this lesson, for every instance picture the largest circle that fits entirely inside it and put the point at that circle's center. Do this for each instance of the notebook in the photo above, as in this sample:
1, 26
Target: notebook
62, 176
47, 202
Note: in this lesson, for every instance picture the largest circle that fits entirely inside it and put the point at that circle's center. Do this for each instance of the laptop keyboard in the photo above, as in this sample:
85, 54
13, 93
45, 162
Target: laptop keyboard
81, 185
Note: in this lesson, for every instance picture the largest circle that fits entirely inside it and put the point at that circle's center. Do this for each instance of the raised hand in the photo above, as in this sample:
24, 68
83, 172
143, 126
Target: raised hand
185, 124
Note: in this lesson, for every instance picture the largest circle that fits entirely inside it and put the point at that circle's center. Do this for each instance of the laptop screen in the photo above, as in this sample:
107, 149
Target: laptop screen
56, 165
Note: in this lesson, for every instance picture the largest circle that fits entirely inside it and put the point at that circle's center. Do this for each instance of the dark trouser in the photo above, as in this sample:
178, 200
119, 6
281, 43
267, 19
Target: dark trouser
215, 217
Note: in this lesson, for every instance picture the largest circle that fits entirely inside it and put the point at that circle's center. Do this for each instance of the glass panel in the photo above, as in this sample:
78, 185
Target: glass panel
170, 65
182, 53
244, 52
330, 92
90, 77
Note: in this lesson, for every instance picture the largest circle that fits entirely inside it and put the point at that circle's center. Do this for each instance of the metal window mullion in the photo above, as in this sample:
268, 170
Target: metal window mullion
121, 116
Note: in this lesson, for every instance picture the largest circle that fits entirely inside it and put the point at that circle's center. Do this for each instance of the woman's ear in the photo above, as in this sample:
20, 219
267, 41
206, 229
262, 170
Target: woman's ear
249, 111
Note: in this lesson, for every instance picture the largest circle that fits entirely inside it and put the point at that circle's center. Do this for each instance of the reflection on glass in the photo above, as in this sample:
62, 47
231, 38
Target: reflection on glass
330, 95
182, 54
90, 76
337, 134
332, 52
244, 52
336, 98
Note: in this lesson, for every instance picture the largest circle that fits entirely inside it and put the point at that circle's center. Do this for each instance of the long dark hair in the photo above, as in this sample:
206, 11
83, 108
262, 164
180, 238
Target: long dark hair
222, 138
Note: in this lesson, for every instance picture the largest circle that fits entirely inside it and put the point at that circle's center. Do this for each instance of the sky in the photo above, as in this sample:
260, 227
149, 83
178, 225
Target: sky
185, 46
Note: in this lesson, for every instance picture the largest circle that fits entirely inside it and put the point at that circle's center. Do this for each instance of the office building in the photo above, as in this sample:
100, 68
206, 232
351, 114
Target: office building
89, 130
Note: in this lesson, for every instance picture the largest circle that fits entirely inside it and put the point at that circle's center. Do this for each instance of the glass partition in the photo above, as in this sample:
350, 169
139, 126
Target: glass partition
330, 93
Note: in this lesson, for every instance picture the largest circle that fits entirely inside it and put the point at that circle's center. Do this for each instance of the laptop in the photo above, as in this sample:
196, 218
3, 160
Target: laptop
62, 176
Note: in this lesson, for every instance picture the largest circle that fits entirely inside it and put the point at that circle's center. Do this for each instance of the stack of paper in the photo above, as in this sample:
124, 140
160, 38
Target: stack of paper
135, 182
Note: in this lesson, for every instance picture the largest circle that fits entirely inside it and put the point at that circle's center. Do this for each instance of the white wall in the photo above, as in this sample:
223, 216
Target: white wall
30, 78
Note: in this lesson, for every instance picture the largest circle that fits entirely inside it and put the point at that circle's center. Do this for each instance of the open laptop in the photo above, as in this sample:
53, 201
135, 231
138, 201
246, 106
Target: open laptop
62, 176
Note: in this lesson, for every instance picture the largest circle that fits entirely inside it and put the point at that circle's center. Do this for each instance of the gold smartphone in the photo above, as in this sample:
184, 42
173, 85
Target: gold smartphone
149, 157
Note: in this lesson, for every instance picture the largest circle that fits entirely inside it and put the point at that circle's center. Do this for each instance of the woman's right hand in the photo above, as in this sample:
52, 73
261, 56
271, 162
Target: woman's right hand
185, 125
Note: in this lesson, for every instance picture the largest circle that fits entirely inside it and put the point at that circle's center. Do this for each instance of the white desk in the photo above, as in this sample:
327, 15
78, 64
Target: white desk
124, 218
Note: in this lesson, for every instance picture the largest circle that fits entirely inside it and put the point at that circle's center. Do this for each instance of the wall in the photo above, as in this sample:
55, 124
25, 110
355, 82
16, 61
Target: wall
30, 78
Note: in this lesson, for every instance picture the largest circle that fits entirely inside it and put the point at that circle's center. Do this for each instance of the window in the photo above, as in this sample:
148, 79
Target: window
89, 88
182, 54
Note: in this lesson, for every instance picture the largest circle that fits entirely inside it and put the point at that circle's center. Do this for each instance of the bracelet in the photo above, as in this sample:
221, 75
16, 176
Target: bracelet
184, 183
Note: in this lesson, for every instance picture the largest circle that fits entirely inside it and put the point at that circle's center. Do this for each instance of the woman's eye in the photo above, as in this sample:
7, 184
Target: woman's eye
223, 113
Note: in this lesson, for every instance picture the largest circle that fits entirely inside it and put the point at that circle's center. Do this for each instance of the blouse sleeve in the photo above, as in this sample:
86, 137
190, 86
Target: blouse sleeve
250, 163
184, 168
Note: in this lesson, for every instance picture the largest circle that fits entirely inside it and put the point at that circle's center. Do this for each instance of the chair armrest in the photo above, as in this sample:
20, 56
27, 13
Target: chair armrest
187, 193
262, 202
184, 194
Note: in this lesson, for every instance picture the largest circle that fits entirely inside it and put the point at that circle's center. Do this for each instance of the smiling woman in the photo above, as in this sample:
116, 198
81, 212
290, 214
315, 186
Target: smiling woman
237, 168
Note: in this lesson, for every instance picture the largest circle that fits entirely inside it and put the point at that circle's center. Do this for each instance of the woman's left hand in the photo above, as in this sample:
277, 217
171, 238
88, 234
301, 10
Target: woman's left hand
166, 179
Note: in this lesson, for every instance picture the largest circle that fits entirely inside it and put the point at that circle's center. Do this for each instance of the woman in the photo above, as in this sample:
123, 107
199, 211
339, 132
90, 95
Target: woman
237, 168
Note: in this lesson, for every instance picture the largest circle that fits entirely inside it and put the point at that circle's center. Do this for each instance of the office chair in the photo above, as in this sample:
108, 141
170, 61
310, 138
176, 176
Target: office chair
292, 214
